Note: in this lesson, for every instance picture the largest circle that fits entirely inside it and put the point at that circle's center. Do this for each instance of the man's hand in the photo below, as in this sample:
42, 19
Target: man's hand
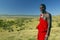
46, 37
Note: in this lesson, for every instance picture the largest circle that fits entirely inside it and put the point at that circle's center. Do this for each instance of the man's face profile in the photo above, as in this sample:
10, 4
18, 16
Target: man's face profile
42, 8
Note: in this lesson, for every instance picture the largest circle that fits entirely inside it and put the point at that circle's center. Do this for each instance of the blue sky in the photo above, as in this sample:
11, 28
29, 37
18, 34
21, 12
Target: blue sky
28, 7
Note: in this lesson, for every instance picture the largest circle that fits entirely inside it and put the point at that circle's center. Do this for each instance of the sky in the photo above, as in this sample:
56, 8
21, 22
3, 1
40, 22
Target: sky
28, 7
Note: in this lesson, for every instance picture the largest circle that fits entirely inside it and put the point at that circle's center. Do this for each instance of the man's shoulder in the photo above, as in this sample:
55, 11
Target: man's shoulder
49, 14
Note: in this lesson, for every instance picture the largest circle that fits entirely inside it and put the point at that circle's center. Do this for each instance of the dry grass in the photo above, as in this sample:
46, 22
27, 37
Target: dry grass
29, 32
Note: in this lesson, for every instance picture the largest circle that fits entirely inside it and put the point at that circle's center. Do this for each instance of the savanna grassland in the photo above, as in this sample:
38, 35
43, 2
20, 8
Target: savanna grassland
24, 28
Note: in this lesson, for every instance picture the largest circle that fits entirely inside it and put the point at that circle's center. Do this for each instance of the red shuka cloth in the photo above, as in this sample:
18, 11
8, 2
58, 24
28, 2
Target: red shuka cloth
42, 28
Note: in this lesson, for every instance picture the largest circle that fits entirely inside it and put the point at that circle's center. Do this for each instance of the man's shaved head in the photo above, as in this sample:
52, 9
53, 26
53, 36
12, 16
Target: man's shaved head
42, 8
43, 5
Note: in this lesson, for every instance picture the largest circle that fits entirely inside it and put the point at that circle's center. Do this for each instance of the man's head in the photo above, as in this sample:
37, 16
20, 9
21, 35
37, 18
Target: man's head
42, 7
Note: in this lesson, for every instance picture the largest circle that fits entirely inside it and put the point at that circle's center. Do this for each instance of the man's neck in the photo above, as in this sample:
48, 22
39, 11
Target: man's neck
43, 12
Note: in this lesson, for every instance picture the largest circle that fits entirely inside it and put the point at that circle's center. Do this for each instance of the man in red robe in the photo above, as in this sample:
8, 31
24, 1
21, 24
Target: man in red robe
44, 25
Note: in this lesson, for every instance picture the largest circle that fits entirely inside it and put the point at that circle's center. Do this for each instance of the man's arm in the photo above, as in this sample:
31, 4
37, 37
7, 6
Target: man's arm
49, 24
